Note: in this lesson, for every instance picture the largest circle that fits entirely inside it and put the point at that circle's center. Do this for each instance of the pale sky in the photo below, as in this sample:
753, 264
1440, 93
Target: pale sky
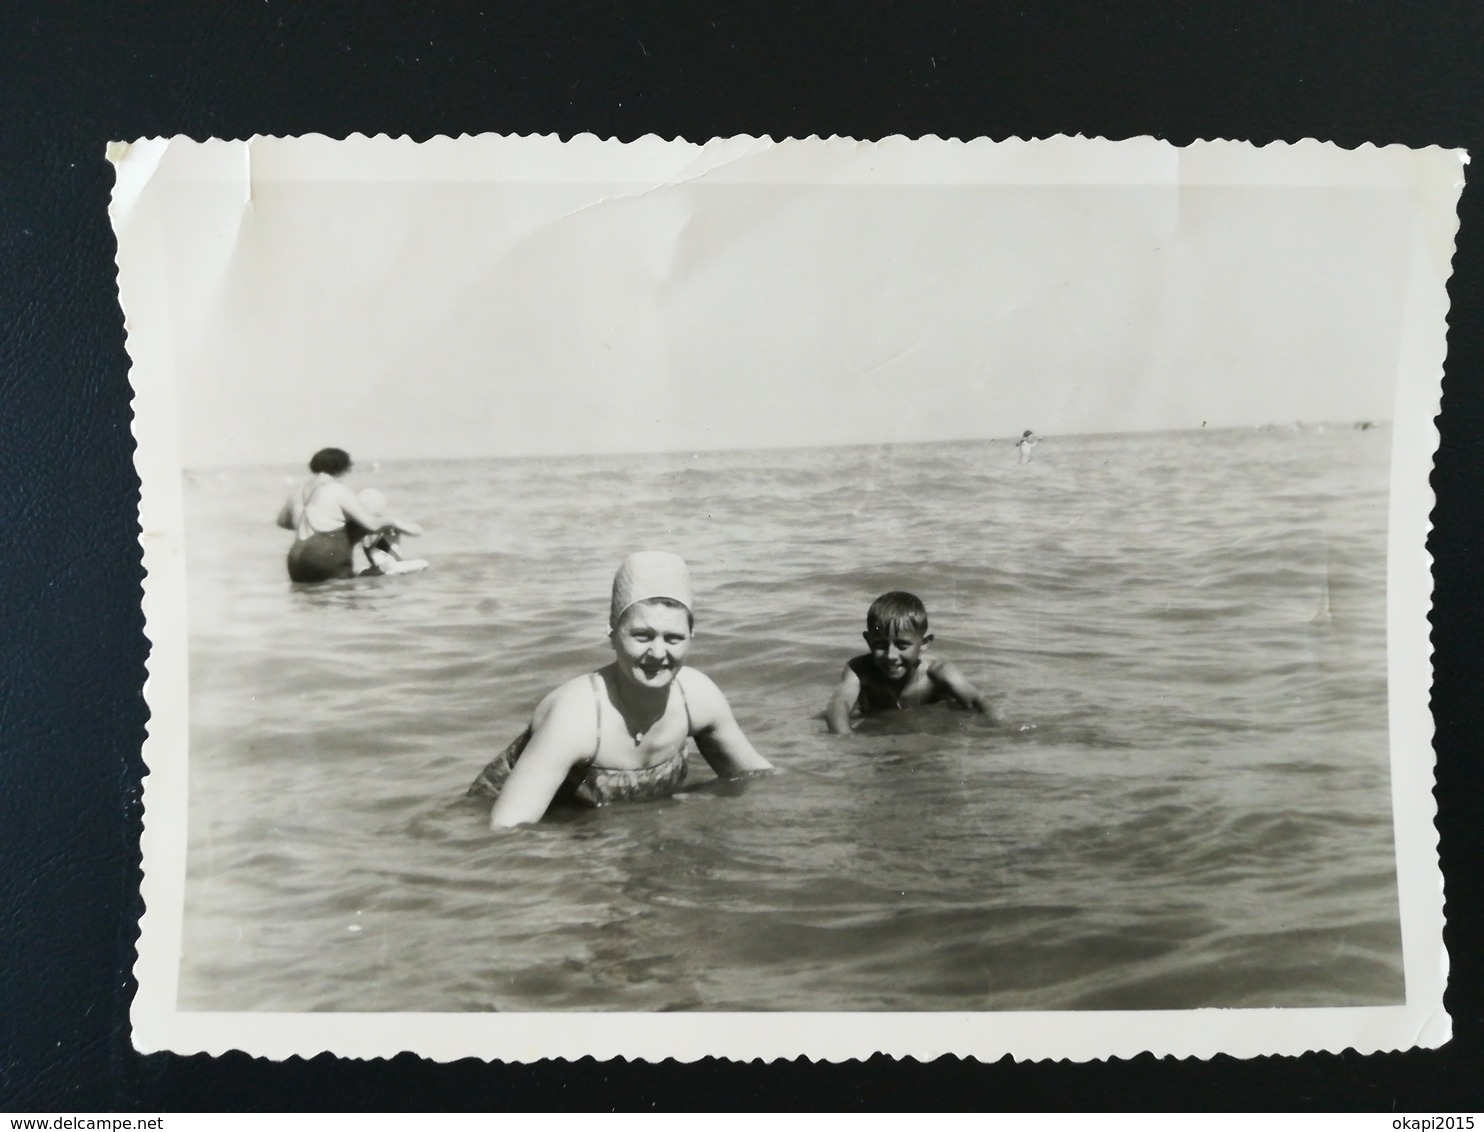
401, 320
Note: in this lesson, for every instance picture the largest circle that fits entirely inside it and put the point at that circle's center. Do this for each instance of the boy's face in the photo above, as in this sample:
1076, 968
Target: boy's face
652, 642
896, 649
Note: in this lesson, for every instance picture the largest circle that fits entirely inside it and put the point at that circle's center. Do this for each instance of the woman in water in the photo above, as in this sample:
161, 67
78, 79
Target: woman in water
620, 734
328, 521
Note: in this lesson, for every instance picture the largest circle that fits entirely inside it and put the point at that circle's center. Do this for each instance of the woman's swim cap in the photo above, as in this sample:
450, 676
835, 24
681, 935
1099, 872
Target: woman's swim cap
648, 574
374, 500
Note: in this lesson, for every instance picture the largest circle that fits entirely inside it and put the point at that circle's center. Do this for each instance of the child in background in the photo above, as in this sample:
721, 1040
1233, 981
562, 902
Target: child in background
898, 672
1027, 441
382, 547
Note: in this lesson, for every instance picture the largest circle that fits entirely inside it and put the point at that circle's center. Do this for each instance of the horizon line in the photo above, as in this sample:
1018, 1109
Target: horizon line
1290, 425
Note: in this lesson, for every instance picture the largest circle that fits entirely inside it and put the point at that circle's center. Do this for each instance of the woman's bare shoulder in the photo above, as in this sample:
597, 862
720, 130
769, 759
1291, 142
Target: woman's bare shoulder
703, 699
576, 692
693, 680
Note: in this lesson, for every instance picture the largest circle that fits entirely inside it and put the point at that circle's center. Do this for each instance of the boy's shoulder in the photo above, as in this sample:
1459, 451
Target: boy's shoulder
936, 667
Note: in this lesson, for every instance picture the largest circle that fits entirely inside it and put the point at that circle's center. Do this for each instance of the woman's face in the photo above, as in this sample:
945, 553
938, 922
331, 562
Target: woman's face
651, 642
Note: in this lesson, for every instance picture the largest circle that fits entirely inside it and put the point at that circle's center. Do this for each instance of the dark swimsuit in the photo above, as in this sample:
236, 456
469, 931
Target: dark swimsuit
876, 694
322, 556
590, 785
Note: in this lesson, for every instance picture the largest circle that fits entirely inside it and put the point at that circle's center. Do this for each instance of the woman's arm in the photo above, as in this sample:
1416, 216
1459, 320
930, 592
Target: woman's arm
288, 517
842, 703
720, 739
563, 735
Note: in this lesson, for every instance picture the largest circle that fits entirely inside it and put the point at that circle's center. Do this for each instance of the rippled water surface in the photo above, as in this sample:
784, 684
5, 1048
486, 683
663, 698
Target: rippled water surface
1190, 807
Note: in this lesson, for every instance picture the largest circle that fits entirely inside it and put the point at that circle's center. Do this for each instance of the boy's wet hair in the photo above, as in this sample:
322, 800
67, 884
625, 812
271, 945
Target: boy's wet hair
334, 461
897, 608
690, 618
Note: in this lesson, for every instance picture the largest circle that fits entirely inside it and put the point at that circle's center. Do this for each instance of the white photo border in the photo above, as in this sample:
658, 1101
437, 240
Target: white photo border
229, 169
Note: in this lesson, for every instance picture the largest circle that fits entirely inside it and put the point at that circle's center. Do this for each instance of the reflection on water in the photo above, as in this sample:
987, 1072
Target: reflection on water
1190, 806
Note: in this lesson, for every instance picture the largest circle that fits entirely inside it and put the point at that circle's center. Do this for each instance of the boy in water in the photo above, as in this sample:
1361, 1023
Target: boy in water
897, 672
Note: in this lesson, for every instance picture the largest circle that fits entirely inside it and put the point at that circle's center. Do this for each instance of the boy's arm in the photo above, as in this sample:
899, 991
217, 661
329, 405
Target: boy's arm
842, 703
946, 673
718, 735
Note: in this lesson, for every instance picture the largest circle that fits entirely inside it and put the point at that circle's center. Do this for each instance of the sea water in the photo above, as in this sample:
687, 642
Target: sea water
1188, 805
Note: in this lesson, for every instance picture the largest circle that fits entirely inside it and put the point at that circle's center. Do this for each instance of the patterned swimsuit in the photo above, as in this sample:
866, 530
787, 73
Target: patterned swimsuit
590, 785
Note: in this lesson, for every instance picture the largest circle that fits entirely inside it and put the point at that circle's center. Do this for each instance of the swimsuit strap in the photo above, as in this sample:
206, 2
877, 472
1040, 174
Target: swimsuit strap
598, 707
304, 524
310, 490
685, 703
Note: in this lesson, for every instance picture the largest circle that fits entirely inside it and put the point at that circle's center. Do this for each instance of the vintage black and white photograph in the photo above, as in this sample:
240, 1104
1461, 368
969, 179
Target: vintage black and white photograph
769, 598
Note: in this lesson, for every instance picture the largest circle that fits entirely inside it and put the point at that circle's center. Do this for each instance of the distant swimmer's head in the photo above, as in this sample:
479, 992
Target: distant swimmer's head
1025, 434
896, 633
330, 462
650, 618
651, 577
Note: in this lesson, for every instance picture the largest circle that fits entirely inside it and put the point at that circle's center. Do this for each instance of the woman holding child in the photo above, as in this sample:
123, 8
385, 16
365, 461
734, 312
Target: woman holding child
329, 521
620, 733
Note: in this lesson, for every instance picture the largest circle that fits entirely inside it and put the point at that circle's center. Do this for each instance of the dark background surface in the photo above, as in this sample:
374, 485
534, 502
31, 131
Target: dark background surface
74, 76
